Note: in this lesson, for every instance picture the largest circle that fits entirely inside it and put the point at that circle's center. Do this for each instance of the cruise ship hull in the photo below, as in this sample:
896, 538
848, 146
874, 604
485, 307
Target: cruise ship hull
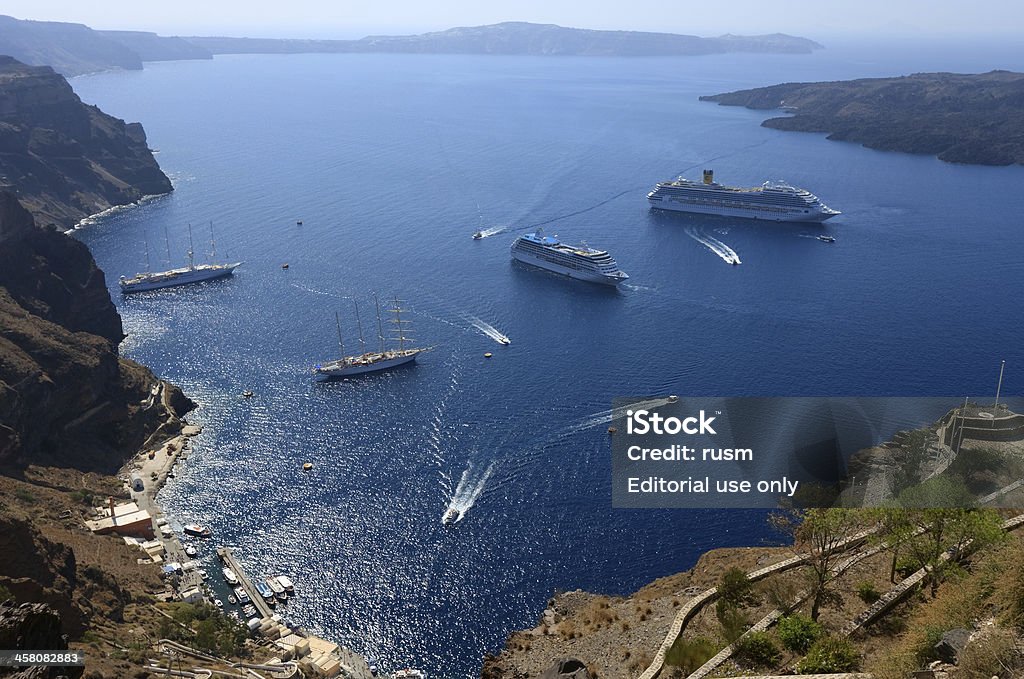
795, 215
589, 276
179, 277
336, 369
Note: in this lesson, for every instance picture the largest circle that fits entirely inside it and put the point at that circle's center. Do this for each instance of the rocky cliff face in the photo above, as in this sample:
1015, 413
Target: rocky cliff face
66, 398
63, 159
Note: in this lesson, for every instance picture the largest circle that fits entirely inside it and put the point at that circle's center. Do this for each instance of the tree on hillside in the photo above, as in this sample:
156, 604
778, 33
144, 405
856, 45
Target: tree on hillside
822, 534
945, 535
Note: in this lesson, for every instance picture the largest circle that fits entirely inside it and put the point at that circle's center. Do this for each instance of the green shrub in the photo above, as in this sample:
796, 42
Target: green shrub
829, 655
689, 654
734, 621
757, 649
736, 589
83, 496
925, 650
5, 593
867, 593
798, 633
25, 495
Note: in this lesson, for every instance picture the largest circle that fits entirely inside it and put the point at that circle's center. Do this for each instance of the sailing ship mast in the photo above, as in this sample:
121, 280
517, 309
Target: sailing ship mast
213, 245
145, 241
380, 325
359, 324
191, 254
397, 320
341, 344
167, 243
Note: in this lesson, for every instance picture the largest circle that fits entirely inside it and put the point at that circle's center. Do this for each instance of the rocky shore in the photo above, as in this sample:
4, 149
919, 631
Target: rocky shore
960, 118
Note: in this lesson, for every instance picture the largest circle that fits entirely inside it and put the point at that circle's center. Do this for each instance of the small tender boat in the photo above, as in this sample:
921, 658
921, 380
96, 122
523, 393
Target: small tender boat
827, 239
247, 393
249, 610
504, 340
232, 599
195, 530
478, 235
450, 516
218, 603
409, 674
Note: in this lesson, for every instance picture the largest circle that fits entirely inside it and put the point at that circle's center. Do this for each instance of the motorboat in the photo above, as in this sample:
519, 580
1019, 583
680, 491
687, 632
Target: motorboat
451, 516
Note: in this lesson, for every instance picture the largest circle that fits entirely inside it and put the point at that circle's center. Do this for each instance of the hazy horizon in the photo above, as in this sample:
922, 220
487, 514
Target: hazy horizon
318, 19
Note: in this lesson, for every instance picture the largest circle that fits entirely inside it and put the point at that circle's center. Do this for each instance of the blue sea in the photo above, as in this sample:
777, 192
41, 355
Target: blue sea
391, 162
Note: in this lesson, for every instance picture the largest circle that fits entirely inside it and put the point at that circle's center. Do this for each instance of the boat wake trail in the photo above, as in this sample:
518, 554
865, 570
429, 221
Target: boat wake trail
620, 194
606, 416
493, 231
471, 485
716, 246
325, 293
488, 330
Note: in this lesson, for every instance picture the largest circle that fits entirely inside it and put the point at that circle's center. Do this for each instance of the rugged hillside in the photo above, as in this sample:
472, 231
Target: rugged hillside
66, 397
74, 49
517, 37
71, 49
960, 118
153, 47
66, 160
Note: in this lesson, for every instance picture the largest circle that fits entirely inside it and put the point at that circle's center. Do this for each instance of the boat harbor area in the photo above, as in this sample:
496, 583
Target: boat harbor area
284, 648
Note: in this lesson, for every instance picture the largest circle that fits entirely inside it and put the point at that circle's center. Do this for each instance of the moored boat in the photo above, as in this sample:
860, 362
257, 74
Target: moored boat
197, 530
371, 361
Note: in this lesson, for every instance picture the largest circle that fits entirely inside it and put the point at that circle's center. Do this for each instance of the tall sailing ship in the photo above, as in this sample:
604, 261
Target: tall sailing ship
193, 273
371, 361
771, 201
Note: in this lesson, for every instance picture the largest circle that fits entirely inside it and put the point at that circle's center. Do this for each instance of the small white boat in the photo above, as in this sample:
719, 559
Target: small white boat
230, 577
242, 595
409, 673
286, 583
451, 516
218, 603
478, 235
827, 239
191, 551
232, 599
504, 340
196, 530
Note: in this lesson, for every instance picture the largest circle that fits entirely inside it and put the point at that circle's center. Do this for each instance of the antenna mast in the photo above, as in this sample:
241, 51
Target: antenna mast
999, 387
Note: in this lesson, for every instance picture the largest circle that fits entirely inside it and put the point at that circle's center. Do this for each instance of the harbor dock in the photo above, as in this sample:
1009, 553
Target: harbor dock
321, 657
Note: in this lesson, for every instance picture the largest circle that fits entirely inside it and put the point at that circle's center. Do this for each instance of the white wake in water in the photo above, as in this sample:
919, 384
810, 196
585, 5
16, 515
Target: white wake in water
606, 416
716, 246
488, 330
471, 485
492, 231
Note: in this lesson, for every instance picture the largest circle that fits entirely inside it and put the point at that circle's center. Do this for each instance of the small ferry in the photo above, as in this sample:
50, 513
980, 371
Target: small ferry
827, 239
197, 531
286, 583
230, 577
409, 673
265, 592
451, 516
242, 595
277, 589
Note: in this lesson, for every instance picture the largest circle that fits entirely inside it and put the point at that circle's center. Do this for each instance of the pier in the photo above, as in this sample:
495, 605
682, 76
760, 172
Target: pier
228, 559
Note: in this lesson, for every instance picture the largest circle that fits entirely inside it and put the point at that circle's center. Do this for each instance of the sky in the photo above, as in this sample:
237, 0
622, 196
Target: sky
356, 18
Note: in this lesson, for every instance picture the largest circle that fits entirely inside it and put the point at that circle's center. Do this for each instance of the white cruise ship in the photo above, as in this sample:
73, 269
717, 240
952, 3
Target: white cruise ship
774, 202
575, 261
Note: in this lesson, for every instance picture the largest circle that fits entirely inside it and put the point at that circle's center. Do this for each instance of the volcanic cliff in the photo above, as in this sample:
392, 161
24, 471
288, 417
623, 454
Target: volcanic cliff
63, 159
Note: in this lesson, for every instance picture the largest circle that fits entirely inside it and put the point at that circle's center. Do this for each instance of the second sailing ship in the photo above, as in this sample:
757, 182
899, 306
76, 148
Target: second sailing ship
371, 361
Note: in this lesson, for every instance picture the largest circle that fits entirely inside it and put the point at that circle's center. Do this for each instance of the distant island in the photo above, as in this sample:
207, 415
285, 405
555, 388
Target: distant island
518, 37
960, 118
76, 49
